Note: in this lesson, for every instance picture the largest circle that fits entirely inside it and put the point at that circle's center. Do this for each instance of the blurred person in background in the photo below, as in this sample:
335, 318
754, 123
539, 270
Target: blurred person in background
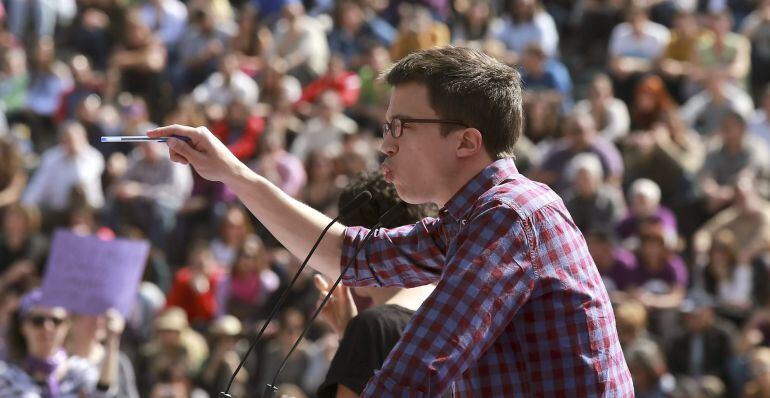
279, 166
525, 22
417, 30
723, 50
580, 136
69, 173
756, 28
324, 131
609, 113
634, 48
678, 62
758, 385
544, 79
42, 13
472, 26
592, 202
172, 357
202, 47
649, 371
322, 187
226, 85
252, 40
15, 78
23, 249
337, 78
644, 201
168, 19
137, 66
734, 154
233, 231
631, 321
650, 101
13, 175
704, 346
89, 337
196, 286
291, 323
728, 277
356, 28
224, 335
299, 40
150, 193
705, 110
251, 281
39, 366
613, 261
240, 130
85, 83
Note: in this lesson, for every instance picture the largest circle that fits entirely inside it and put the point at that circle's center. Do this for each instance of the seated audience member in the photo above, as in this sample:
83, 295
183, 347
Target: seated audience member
545, 78
23, 249
90, 338
735, 153
660, 279
279, 166
649, 371
634, 48
644, 202
227, 85
174, 354
299, 39
71, 167
631, 321
580, 136
234, 229
677, 63
728, 275
723, 49
613, 262
417, 30
747, 218
150, 193
325, 130
196, 286
240, 130
379, 327
40, 367
525, 22
610, 114
704, 345
650, 101
354, 29
244, 292
758, 385
13, 177
337, 78
591, 202
705, 110
224, 335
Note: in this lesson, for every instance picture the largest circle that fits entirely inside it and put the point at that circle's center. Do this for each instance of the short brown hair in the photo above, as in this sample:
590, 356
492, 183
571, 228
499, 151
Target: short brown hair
469, 86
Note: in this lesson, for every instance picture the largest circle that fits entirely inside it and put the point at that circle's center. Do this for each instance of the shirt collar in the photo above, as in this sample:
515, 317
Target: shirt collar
492, 175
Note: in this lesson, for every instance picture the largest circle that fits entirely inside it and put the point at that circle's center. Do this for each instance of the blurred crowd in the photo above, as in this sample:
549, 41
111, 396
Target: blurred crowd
651, 118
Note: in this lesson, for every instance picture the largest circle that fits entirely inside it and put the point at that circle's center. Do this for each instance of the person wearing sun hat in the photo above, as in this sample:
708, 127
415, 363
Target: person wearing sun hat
224, 335
38, 365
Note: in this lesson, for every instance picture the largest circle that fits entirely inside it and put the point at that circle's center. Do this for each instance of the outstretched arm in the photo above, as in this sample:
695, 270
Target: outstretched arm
293, 223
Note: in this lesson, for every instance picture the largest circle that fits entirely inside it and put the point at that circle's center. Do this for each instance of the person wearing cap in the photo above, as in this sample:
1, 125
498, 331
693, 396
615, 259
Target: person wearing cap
224, 334
39, 366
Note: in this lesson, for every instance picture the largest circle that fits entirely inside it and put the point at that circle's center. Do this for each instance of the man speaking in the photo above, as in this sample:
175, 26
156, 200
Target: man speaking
519, 309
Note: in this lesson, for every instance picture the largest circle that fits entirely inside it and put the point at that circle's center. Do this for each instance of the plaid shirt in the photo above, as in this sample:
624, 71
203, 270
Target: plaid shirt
519, 310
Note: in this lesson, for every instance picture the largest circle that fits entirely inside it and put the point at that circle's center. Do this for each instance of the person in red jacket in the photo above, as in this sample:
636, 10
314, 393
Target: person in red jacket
240, 130
347, 84
195, 286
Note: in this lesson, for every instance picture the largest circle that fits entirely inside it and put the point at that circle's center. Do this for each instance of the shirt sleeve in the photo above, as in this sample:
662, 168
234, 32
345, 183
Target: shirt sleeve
481, 290
408, 256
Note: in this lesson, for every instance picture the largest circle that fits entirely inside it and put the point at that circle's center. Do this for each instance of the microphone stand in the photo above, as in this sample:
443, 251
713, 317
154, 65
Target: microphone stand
357, 202
395, 211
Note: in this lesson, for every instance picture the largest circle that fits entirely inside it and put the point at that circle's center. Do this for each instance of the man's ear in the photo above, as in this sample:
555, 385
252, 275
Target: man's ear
471, 142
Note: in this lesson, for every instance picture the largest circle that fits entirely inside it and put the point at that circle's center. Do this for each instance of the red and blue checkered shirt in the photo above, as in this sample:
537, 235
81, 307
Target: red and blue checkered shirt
519, 309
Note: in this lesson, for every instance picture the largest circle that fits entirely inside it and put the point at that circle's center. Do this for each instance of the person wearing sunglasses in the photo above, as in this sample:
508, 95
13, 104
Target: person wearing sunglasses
519, 307
38, 365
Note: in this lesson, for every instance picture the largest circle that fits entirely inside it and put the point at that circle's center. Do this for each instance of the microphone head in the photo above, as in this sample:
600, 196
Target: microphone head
392, 214
360, 200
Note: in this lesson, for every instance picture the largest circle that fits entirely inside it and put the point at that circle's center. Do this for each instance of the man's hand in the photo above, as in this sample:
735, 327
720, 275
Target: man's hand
209, 156
341, 308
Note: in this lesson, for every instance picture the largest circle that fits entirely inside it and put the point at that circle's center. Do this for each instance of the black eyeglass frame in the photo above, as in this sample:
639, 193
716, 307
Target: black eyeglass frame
389, 127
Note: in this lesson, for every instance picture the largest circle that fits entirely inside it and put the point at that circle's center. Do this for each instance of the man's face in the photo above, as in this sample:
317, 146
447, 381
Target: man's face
420, 160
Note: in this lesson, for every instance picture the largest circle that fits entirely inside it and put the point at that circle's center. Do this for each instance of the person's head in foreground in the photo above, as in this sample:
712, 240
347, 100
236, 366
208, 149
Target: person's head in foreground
452, 112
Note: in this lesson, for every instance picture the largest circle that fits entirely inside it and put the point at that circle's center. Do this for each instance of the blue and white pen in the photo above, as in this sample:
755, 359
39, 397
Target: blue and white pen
139, 138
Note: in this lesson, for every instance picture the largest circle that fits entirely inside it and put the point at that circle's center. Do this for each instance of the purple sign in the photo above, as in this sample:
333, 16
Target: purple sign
89, 275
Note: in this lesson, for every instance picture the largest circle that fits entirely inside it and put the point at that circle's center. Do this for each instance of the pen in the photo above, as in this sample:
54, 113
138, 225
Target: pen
139, 138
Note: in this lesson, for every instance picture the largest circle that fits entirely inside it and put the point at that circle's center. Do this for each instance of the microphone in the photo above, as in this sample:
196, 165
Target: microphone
386, 219
360, 200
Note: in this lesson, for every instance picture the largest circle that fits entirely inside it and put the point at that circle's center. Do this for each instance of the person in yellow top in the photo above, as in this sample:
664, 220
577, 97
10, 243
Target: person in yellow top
418, 30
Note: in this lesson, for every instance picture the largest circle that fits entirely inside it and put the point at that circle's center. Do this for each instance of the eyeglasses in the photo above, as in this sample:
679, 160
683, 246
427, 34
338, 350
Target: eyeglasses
396, 126
40, 320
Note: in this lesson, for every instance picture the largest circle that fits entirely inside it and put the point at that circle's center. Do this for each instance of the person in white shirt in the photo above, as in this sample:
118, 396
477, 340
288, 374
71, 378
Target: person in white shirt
300, 40
226, 85
326, 130
526, 23
73, 164
167, 18
609, 113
